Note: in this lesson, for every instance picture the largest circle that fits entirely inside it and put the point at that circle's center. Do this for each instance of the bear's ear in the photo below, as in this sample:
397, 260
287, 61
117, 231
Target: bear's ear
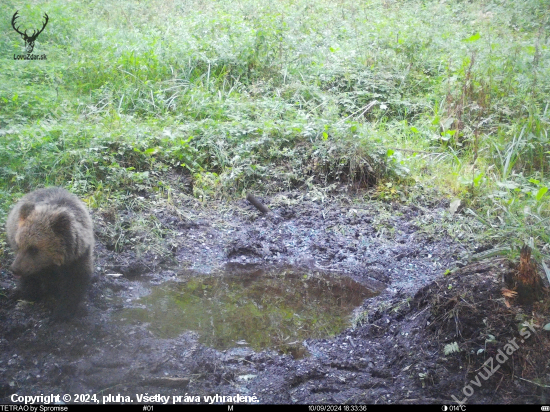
61, 223
25, 210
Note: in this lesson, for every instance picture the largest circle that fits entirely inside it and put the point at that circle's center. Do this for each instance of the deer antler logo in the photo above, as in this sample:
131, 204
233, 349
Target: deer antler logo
29, 40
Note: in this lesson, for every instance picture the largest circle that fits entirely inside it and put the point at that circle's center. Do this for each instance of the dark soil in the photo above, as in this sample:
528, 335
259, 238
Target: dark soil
394, 352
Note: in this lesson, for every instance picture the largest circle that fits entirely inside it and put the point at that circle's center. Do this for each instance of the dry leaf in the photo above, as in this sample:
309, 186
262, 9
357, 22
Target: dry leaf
509, 293
453, 207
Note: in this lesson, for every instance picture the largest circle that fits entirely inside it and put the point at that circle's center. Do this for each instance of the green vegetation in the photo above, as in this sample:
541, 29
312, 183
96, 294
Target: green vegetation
275, 95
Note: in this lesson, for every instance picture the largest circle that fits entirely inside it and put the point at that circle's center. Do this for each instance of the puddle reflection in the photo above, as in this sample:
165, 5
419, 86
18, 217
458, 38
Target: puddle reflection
259, 309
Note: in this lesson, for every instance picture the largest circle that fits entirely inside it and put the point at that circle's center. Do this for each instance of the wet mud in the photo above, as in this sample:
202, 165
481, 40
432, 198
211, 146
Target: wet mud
395, 347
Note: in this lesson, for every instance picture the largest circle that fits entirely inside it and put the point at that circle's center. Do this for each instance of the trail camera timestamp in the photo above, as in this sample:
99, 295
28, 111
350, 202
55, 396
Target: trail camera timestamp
337, 408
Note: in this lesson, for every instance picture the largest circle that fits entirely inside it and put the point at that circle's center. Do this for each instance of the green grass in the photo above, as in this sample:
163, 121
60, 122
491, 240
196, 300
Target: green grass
271, 96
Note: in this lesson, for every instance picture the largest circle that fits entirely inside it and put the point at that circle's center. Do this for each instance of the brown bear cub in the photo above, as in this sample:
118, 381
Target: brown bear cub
52, 236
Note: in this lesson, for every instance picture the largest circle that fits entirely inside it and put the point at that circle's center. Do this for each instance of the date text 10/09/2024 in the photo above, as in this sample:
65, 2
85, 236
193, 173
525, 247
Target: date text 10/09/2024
337, 408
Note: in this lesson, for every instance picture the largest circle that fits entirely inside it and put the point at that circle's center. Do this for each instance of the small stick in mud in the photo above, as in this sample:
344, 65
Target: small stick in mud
250, 197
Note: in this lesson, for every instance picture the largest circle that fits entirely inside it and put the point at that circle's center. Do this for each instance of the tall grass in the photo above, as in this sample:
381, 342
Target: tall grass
278, 95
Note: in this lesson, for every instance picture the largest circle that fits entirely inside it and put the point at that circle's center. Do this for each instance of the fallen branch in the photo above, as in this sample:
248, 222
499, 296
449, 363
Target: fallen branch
250, 197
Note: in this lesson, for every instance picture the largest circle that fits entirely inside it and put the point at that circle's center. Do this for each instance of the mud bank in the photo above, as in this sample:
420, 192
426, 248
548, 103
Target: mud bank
393, 351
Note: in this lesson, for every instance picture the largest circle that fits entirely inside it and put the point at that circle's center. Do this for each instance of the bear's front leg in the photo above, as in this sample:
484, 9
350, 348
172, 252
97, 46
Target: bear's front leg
72, 285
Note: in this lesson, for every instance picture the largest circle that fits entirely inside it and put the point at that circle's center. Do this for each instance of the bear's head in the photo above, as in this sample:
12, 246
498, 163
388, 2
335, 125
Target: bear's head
42, 238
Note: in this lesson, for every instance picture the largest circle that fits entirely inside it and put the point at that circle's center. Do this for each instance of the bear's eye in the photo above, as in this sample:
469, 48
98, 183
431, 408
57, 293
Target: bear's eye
33, 250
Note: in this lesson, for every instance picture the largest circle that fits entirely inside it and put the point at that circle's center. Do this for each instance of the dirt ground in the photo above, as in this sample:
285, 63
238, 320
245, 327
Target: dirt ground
395, 351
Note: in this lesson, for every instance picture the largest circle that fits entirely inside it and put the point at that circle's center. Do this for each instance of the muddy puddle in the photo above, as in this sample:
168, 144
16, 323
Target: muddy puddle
207, 318
261, 309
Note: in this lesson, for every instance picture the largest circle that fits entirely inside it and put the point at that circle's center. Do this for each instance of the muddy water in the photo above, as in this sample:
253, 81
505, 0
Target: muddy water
260, 309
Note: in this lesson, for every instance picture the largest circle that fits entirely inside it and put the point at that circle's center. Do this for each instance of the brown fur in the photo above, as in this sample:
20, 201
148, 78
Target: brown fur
51, 233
